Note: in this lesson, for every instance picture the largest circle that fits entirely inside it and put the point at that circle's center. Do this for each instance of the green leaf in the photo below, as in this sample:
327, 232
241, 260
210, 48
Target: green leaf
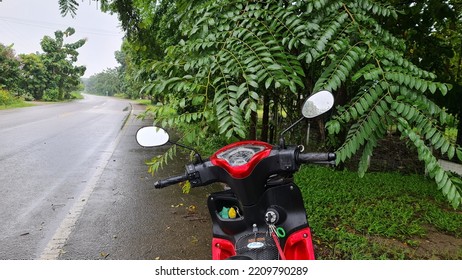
452, 193
443, 88
359, 108
445, 147
233, 88
430, 133
439, 175
459, 154
456, 201
432, 87
254, 95
400, 108
353, 113
436, 137
440, 142
268, 82
253, 84
333, 127
451, 152
447, 188
274, 67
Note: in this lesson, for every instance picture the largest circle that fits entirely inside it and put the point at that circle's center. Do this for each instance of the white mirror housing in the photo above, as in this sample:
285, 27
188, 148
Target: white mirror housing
317, 104
151, 136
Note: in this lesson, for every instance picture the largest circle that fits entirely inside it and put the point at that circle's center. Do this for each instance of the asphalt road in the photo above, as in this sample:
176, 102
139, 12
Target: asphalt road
47, 155
126, 218
73, 185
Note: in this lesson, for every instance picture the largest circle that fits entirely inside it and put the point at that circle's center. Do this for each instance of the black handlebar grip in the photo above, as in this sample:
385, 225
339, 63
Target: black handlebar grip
316, 157
332, 156
170, 181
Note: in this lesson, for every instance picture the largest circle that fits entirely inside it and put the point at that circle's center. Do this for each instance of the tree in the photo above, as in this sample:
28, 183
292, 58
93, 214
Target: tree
235, 55
131, 82
58, 59
105, 83
51, 75
9, 68
432, 30
33, 75
237, 50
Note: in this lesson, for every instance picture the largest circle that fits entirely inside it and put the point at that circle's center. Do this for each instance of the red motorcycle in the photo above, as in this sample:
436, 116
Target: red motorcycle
262, 214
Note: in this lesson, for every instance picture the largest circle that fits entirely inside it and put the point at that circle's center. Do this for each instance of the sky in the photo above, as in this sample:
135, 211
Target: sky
25, 22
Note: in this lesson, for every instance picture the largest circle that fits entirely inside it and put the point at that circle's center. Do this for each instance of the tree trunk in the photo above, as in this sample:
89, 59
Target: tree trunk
265, 118
274, 123
253, 126
459, 132
459, 64
322, 130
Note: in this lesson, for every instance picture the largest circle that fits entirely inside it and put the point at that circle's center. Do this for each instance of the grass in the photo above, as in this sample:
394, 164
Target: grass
146, 102
76, 95
143, 101
380, 216
17, 104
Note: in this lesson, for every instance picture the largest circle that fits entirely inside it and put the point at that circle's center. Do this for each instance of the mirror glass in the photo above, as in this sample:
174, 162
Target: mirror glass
317, 104
151, 136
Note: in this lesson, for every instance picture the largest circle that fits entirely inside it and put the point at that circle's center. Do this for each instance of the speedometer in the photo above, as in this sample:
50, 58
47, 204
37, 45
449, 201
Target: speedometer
240, 158
240, 155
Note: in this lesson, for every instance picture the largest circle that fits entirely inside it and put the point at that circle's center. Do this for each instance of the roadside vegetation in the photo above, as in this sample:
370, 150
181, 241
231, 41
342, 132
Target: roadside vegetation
214, 64
380, 216
47, 76
8, 101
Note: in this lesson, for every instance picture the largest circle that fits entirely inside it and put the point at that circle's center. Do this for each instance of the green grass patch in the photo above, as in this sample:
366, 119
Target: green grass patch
19, 104
380, 216
76, 95
8, 100
146, 102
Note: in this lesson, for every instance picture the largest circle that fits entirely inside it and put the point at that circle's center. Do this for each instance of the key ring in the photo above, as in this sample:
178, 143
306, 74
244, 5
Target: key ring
280, 232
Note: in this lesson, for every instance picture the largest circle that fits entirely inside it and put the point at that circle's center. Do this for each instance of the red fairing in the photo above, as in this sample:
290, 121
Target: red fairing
222, 249
240, 158
299, 246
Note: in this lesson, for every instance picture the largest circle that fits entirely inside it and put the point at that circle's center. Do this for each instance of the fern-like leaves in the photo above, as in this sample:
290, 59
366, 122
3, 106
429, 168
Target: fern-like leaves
68, 7
394, 93
237, 49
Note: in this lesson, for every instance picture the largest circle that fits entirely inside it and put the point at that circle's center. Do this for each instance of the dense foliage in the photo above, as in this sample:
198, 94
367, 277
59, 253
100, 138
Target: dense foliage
104, 83
9, 67
50, 75
212, 65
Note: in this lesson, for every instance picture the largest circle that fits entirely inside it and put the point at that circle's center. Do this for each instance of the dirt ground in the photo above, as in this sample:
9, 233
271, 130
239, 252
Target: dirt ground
393, 155
434, 246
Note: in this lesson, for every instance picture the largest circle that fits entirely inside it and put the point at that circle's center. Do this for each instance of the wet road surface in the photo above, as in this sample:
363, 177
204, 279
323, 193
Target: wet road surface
73, 185
126, 218
47, 155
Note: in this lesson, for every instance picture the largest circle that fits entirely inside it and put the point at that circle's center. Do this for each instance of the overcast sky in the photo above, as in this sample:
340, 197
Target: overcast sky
25, 22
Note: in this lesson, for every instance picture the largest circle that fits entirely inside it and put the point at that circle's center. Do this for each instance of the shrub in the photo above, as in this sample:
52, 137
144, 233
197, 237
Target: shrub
51, 95
6, 98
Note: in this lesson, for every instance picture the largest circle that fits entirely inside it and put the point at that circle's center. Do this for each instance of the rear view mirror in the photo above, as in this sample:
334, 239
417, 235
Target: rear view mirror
317, 104
151, 136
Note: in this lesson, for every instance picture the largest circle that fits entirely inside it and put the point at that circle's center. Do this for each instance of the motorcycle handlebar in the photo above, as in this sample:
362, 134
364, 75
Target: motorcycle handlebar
170, 181
300, 159
316, 157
